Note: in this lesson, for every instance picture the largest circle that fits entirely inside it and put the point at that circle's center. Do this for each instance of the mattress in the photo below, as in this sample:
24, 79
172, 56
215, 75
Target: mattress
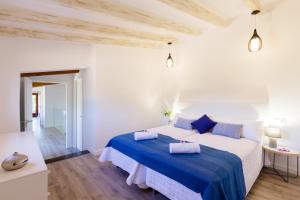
249, 151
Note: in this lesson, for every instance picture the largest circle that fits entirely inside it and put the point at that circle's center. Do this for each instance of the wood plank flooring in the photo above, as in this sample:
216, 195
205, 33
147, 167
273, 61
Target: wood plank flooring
51, 141
84, 178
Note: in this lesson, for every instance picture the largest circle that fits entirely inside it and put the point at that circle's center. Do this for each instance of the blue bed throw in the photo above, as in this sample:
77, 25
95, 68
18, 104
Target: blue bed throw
216, 174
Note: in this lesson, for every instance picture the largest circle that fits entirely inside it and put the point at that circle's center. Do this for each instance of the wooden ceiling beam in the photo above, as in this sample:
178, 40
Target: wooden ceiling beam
129, 13
29, 33
265, 8
15, 14
253, 4
195, 9
49, 73
41, 84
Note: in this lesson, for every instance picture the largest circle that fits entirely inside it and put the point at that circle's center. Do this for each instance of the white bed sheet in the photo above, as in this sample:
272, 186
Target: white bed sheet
250, 153
176, 133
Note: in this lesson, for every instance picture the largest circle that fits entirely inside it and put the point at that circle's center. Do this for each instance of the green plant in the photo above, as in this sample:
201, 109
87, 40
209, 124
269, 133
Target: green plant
168, 114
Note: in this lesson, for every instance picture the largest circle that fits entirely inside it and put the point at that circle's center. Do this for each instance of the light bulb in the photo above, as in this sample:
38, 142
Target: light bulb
255, 43
170, 61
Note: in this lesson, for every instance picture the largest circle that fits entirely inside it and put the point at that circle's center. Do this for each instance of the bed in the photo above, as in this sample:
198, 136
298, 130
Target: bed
249, 151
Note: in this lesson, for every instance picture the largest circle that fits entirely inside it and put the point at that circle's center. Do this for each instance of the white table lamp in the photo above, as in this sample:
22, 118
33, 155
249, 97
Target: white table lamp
273, 133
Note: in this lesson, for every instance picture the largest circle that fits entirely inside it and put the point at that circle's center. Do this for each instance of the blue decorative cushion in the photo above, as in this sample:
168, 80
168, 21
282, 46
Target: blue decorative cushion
204, 124
184, 123
228, 130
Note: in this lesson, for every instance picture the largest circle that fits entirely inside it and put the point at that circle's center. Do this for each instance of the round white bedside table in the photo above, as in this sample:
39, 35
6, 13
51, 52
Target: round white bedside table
288, 154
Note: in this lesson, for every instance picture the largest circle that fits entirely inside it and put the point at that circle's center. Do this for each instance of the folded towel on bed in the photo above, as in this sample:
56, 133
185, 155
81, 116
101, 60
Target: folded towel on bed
145, 135
184, 148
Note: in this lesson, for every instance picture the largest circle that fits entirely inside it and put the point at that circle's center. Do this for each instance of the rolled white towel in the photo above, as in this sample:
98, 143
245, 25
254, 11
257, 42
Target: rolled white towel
145, 135
184, 148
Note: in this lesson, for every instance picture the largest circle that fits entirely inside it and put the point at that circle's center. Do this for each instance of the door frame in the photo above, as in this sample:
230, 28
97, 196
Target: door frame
72, 125
26, 104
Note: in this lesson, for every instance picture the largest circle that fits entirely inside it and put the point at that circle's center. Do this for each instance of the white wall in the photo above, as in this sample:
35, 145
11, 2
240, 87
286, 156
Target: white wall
217, 67
56, 106
26, 55
122, 86
126, 94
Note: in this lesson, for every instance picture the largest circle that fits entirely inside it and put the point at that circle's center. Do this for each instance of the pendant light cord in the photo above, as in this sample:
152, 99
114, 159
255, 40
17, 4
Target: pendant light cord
169, 47
255, 12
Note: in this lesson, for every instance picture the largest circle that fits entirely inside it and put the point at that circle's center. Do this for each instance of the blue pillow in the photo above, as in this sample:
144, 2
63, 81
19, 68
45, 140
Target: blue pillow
184, 123
204, 124
228, 130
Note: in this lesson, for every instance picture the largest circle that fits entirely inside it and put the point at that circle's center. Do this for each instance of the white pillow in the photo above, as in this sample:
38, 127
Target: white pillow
253, 130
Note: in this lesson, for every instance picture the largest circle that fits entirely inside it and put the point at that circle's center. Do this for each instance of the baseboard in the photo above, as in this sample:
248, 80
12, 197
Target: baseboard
68, 156
96, 152
292, 170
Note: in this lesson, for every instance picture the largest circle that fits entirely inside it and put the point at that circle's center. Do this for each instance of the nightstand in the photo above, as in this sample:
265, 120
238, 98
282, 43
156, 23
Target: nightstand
288, 154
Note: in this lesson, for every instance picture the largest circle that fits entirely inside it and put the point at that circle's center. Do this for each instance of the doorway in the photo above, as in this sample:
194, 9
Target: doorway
50, 105
35, 104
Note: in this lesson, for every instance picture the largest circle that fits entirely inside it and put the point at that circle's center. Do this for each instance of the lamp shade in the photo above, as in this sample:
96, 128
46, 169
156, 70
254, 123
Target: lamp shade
273, 132
255, 43
170, 61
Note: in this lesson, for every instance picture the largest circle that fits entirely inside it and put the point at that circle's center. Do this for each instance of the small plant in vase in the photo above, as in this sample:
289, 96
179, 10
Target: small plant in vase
168, 115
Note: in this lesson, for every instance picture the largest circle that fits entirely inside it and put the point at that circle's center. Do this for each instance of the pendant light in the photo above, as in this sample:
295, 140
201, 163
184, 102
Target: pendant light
255, 43
170, 61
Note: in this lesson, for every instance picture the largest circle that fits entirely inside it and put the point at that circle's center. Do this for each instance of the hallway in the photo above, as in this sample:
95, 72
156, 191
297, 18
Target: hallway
51, 141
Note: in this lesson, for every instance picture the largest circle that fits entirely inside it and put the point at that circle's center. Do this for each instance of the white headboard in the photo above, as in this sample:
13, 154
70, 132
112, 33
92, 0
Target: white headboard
223, 110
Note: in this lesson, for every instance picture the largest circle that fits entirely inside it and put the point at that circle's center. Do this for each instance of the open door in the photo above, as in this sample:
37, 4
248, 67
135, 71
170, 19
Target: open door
26, 104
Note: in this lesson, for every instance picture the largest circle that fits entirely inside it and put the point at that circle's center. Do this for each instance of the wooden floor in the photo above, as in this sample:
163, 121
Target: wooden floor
84, 178
51, 141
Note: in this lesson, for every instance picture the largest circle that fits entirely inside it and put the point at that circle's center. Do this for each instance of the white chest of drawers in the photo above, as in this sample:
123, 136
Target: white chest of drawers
29, 182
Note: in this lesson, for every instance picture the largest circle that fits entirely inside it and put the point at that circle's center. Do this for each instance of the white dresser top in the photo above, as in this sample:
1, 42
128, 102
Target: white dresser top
24, 143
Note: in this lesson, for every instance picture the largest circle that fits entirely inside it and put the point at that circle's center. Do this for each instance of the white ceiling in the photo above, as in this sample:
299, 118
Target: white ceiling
230, 9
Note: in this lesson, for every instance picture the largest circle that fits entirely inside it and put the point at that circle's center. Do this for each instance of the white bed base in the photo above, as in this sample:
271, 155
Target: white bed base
145, 177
